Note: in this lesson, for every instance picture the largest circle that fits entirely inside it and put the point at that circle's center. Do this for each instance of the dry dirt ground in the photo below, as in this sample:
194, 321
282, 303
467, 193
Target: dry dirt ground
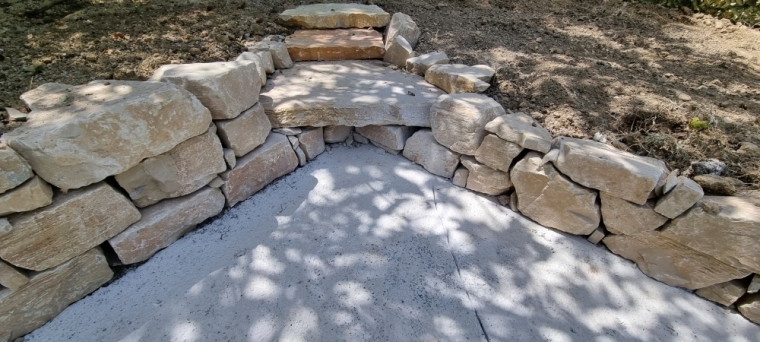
637, 73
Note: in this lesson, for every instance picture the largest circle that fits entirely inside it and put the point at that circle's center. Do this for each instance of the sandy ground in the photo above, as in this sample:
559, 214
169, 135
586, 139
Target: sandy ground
364, 245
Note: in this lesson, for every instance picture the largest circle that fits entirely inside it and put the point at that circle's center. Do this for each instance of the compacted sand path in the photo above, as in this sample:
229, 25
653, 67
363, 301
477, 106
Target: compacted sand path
363, 245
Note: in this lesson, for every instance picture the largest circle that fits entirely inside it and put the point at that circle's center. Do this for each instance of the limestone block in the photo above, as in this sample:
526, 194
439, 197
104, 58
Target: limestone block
497, 153
754, 285
5, 226
670, 262
513, 202
33, 194
229, 157
670, 182
397, 51
551, 199
76, 222
460, 176
422, 149
225, 88
266, 61
289, 131
183, 170
293, 141
360, 138
11, 278
521, 129
598, 166
301, 156
485, 179
392, 136
749, 306
724, 293
386, 148
46, 96
105, 128
420, 64
596, 237
460, 78
458, 120
245, 132
14, 170
256, 59
163, 223
683, 196
273, 159
277, 50
336, 134
726, 228
402, 25
311, 141
49, 292
334, 45
216, 183
330, 16
623, 217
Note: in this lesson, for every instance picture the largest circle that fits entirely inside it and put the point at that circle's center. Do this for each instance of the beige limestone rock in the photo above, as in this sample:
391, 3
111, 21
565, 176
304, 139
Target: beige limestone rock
598, 166
14, 170
386, 148
497, 153
277, 50
76, 222
754, 285
301, 156
216, 183
460, 176
229, 157
49, 292
460, 78
360, 138
551, 199
273, 159
670, 262
163, 223
266, 61
338, 93
225, 88
336, 134
717, 185
289, 131
46, 96
458, 120
397, 51
683, 196
330, 16
484, 179
256, 59
392, 136
749, 306
419, 65
724, 293
335, 45
726, 228
183, 170
312, 142
11, 278
105, 128
245, 132
293, 141
422, 149
5, 226
596, 237
33, 194
402, 25
670, 182
14, 114
521, 129
623, 217
513, 202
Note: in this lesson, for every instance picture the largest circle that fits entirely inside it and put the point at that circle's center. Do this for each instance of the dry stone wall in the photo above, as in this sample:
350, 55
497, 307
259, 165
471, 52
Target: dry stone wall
199, 137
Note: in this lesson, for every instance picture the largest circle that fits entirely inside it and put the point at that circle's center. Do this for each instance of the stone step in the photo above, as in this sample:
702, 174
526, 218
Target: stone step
332, 45
328, 16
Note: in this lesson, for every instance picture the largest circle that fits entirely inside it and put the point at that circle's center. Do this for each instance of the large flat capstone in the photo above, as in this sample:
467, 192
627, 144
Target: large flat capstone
335, 45
329, 16
349, 93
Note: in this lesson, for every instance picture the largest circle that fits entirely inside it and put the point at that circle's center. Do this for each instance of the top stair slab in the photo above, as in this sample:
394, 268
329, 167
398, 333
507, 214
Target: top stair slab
331, 16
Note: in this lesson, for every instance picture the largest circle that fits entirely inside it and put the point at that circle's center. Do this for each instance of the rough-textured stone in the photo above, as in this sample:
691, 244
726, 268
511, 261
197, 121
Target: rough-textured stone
459, 78
598, 166
683, 196
14, 170
245, 132
336, 134
497, 153
14, 114
386, 148
670, 262
521, 129
360, 138
754, 285
709, 166
726, 228
105, 128
392, 137
485, 179
33, 194
277, 50
256, 59
312, 142
670, 182
514, 202
623, 217
301, 156
183, 170
458, 120
551, 199
422, 149
335, 45
49, 292
5, 226
216, 183
11, 278
293, 141
164, 223
229, 157
330, 16
349, 93
717, 185
46, 96
225, 88
596, 236
289, 131
273, 159
397, 51
420, 64
402, 25
266, 61
460, 176
749, 306
724, 293
75, 222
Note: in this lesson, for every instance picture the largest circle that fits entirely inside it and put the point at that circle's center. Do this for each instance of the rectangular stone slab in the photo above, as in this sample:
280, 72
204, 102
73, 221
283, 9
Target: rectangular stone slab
334, 45
349, 93
328, 16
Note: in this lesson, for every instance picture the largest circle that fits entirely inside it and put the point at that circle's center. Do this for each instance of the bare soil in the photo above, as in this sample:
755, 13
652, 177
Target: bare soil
636, 73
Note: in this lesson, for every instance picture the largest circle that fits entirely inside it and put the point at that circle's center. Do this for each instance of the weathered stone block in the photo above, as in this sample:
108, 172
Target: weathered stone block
497, 153
336, 134
422, 149
11, 278
254, 57
420, 64
485, 179
334, 45
392, 137
277, 50
623, 217
229, 157
521, 129
266, 61
596, 237
717, 185
301, 156
754, 285
245, 132
5, 226
460, 176
33, 194
458, 120
402, 25
724, 293
683, 196
14, 170
311, 141
46, 96
459, 78
330, 16
749, 306
397, 51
